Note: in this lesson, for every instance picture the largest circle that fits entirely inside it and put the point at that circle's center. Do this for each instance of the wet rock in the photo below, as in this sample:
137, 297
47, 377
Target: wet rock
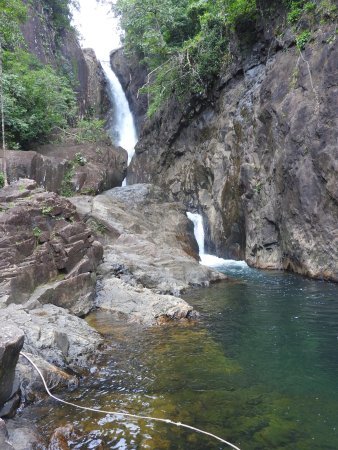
60, 438
11, 342
32, 388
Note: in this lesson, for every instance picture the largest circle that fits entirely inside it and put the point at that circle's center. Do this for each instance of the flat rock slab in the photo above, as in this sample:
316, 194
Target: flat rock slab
54, 334
141, 304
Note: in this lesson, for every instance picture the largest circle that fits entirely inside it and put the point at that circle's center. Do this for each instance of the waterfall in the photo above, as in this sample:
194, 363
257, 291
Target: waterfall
122, 131
197, 220
99, 30
206, 259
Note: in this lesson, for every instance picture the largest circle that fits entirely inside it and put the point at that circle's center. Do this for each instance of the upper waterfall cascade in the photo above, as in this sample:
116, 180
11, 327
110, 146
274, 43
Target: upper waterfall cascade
206, 259
99, 30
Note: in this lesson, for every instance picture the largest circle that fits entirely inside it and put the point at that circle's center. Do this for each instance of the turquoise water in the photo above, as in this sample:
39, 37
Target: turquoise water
259, 369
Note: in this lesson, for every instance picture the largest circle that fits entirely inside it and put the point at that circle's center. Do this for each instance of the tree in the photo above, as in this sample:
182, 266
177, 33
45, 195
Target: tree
184, 43
12, 13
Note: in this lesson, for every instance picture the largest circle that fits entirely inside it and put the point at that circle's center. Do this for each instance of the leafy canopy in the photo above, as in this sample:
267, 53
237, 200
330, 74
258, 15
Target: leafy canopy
35, 97
183, 42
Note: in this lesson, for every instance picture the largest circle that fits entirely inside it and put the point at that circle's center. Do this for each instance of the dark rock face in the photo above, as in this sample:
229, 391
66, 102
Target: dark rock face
56, 47
11, 342
258, 159
55, 166
132, 76
97, 95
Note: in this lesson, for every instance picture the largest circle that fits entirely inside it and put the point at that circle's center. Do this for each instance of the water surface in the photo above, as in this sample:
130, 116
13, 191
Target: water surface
259, 369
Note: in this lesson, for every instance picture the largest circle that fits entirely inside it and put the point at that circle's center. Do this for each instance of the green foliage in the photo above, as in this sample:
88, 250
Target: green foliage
294, 14
310, 6
183, 42
80, 159
46, 210
67, 187
60, 13
2, 179
36, 99
90, 131
12, 13
302, 39
36, 232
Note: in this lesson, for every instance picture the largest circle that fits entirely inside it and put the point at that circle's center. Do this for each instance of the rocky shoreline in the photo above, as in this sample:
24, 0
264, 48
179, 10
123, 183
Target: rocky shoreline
128, 251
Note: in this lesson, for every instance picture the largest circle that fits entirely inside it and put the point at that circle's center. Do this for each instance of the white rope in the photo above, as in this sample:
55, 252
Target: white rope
132, 416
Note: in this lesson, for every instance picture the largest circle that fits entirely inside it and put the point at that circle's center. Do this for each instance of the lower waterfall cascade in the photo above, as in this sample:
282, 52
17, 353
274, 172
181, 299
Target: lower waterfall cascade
207, 259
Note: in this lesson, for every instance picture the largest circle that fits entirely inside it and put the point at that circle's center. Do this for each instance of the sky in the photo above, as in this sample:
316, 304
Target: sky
98, 27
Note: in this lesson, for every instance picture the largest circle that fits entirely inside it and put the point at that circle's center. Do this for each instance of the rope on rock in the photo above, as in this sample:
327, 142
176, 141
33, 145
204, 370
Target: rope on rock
132, 416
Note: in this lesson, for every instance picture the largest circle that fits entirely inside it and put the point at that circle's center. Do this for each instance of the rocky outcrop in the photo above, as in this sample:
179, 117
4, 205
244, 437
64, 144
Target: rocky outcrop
55, 335
43, 241
70, 167
132, 76
258, 158
47, 279
5, 443
149, 244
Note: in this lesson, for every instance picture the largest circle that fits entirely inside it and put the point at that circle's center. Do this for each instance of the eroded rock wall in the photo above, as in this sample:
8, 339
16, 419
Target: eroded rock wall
258, 158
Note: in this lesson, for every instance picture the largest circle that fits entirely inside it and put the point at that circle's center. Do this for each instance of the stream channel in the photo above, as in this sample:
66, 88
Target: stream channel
259, 368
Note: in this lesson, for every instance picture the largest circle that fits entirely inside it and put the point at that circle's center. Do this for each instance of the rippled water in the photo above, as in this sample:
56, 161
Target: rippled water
260, 369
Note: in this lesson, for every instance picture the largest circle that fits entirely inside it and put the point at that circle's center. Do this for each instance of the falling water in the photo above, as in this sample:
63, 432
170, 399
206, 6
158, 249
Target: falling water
206, 259
99, 30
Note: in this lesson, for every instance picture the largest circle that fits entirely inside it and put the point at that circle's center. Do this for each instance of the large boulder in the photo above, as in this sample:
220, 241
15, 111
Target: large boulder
139, 304
11, 342
71, 166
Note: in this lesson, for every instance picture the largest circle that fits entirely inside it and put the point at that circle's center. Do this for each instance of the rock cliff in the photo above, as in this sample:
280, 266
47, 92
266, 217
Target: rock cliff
258, 157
